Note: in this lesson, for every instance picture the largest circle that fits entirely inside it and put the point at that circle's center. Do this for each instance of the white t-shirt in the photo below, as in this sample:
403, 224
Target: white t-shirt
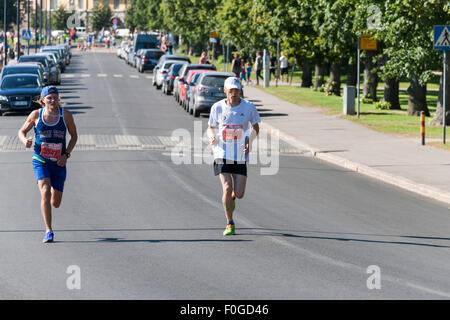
234, 125
283, 62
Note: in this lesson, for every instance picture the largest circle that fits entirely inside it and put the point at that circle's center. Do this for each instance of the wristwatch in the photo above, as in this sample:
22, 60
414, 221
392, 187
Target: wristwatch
67, 155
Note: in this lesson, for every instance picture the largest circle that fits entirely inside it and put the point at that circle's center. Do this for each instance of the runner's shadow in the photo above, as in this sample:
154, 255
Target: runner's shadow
123, 240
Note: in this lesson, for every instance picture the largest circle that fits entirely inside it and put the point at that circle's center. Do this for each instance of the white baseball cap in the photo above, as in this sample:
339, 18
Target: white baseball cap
232, 83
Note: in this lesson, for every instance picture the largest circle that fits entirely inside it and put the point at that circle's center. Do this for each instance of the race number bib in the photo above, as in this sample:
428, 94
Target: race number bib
51, 151
232, 133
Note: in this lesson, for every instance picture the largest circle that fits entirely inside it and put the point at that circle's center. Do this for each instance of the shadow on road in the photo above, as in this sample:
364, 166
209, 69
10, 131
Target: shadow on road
255, 232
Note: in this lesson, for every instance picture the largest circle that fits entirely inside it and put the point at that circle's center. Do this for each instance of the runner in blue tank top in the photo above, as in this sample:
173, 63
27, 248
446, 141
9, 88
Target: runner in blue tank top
50, 151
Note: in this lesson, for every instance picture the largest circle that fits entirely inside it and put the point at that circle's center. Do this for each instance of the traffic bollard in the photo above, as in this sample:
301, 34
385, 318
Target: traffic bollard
422, 126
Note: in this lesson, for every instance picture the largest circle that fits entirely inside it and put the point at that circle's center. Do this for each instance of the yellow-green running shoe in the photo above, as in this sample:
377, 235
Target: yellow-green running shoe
229, 230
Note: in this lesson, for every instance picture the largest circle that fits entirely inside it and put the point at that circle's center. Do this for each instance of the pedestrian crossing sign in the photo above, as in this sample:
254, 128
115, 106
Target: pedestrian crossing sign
26, 35
441, 38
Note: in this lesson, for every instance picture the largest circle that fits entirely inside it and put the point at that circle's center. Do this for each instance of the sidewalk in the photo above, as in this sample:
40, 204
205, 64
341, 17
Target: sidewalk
403, 162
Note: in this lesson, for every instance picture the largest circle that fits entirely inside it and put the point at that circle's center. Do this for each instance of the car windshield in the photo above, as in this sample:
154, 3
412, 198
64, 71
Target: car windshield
176, 68
56, 52
213, 81
20, 82
153, 54
42, 60
7, 71
194, 79
167, 65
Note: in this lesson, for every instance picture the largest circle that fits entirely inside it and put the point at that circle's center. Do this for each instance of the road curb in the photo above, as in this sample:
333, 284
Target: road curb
399, 181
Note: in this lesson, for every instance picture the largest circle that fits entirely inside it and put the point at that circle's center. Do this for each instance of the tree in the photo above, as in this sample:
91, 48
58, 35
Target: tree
11, 13
101, 17
407, 27
60, 17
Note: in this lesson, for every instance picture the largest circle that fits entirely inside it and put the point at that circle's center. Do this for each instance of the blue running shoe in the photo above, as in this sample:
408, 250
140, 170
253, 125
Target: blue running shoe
48, 236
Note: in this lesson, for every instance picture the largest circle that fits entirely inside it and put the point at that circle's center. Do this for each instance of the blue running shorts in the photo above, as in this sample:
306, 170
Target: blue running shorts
51, 170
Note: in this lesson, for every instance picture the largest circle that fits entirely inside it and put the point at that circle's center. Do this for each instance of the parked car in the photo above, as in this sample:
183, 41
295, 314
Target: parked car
169, 57
58, 55
121, 49
52, 71
189, 91
148, 60
167, 86
208, 90
131, 57
20, 92
24, 69
41, 66
182, 73
125, 51
50, 56
161, 74
184, 86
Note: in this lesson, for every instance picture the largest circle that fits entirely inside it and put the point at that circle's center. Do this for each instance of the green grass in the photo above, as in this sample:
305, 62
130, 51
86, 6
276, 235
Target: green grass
392, 121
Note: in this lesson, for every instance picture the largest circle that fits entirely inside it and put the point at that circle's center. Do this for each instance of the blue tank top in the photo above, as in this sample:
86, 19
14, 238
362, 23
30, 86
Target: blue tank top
50, 141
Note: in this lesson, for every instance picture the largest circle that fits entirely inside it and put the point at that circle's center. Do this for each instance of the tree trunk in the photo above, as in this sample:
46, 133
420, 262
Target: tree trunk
318, 76
391, 91
307, 75
334, 84
417, 100
370, 76
437, 120
352, 75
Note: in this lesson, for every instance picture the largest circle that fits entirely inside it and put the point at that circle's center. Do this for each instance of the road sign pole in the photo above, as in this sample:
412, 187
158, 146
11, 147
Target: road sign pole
357, 77
5, 46
28, 26
443, 97
18, 30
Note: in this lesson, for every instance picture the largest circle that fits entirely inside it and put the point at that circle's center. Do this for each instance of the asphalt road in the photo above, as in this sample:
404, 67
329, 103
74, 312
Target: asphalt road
138, 226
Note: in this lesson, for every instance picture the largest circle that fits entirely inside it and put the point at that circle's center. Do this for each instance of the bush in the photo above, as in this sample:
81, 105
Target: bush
367, 100
382, 105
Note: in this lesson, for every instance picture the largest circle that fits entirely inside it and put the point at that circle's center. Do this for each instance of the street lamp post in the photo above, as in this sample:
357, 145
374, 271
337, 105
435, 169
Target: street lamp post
40, 27
28, 25
18, 29
35, 27
5, 45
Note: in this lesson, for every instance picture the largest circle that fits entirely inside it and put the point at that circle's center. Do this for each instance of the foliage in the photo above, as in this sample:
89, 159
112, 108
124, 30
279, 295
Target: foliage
101, 17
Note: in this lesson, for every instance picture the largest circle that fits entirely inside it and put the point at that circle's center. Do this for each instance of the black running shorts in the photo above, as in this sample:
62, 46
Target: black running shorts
229, 166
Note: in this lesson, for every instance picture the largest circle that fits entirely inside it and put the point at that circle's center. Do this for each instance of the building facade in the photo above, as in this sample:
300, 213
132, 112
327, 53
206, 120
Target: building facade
118, 7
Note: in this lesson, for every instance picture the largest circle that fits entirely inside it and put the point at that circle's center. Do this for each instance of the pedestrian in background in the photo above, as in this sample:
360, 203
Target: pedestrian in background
258, 67
236, 65
284, 65
248, 70
273, 61
203, 59
243, 73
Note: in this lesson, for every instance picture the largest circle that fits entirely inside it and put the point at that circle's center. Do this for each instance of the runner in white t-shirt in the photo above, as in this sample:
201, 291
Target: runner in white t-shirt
236, 121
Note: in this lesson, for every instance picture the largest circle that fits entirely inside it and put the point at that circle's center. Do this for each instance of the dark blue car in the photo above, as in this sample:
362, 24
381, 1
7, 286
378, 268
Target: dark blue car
148, 59
20, 92
167, 86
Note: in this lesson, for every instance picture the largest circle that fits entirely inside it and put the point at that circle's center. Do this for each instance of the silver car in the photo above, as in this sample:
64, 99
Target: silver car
208, 90
161, 73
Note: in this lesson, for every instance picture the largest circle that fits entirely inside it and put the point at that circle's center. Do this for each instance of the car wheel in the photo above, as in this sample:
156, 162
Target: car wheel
1, 113
196, 112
